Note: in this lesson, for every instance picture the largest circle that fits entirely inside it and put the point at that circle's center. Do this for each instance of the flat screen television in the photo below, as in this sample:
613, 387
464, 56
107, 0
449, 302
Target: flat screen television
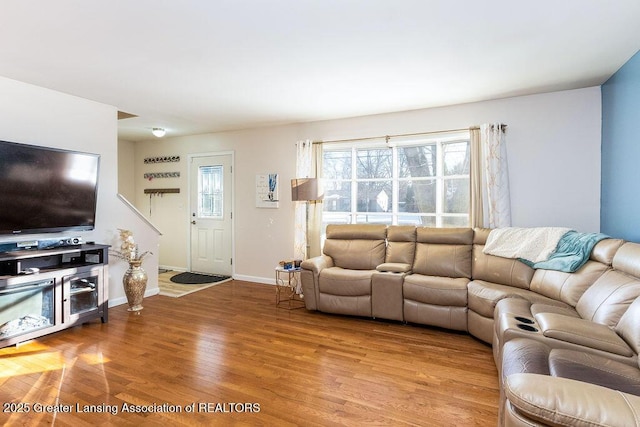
46, 190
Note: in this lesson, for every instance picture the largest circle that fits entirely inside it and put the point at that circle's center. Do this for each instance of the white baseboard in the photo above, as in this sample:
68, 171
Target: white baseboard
255, 279
123, 300
169, 267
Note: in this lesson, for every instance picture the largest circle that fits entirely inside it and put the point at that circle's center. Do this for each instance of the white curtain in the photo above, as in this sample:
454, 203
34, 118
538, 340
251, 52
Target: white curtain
304, 154
477, 184
496, 175
314, 225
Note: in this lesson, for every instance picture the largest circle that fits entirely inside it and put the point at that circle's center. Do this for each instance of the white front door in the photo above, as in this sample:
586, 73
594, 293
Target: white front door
210, 195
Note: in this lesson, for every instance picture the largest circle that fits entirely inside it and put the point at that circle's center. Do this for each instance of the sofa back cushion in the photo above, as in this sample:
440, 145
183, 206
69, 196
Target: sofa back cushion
503, 271
490, 268
610, 296
627, 259
444, 252
356, 246
605, 250
629, 326
567, 287
401, 244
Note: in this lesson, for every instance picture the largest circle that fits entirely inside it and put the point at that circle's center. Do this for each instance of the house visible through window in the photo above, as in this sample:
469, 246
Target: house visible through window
405, 181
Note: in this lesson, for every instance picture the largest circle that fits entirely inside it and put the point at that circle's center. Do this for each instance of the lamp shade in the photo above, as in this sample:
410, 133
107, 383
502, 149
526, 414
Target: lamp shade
305, 189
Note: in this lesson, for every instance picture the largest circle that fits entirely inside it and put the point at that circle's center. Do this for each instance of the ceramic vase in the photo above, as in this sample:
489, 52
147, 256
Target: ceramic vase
135, 284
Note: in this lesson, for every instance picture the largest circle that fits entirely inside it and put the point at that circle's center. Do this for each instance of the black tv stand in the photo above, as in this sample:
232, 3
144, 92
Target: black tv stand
47, 290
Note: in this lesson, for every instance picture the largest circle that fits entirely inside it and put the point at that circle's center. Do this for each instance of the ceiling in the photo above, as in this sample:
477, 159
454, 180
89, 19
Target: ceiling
199, 66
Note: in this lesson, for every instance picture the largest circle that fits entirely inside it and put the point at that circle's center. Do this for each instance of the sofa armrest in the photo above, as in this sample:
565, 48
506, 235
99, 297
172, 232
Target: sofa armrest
564, 402
394, 267
310, 277
316, 264
582, 332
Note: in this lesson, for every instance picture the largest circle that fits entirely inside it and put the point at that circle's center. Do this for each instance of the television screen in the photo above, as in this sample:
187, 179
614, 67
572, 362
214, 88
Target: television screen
46, 190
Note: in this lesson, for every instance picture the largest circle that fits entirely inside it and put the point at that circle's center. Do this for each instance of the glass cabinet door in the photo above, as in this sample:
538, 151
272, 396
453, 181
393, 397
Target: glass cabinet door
82, 293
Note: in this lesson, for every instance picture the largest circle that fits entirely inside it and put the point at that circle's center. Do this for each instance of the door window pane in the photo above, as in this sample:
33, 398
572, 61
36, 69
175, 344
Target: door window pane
210, 190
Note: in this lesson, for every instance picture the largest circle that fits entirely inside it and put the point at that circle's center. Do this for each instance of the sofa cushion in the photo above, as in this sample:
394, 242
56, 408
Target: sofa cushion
594, 369
629, 326
443, 260
627, 259
608, 298
401, 244
503, 271
356, 232
446, 236
355, 254
443, 252
605, 250
480, 235
483, 296
350, 305
340, 281
567, 287
436, 290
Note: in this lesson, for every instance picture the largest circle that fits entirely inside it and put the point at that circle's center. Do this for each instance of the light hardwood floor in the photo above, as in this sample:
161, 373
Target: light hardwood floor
176, 290
229, 345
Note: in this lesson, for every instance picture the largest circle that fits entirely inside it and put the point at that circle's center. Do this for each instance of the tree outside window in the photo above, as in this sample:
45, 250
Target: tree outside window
422, 183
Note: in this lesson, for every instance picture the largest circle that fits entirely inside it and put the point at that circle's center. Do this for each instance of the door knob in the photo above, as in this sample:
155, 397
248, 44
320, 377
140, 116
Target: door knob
193, 222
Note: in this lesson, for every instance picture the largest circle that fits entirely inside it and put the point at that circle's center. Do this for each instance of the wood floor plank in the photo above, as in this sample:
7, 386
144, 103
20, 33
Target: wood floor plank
239, 360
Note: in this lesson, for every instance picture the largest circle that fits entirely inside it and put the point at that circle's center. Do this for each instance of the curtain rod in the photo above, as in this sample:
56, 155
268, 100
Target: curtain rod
399, 135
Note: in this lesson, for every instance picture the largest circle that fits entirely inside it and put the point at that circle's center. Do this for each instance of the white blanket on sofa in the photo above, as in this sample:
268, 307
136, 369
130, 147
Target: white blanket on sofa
531, 244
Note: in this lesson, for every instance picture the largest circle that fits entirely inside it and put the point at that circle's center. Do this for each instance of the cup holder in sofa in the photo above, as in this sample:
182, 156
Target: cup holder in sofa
524, 320
528, 328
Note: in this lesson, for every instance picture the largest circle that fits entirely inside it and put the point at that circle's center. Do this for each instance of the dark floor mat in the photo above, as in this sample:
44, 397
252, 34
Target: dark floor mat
197, 278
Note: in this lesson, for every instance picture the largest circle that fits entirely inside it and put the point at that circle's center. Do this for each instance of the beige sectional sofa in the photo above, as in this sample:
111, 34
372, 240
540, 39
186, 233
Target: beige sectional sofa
554, 334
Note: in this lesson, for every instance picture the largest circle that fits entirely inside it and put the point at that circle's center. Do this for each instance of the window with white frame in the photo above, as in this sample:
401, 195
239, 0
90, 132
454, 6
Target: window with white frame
210, 192
400, 181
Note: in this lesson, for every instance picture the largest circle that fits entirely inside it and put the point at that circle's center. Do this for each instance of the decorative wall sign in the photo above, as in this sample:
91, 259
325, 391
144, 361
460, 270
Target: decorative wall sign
154, 175
164, 159
267, 190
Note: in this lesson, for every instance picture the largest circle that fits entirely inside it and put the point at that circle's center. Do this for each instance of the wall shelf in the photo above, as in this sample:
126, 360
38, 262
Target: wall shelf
161, 190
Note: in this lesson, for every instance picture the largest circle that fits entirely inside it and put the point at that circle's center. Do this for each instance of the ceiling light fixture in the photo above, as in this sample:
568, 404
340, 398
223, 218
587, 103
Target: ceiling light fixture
159, 132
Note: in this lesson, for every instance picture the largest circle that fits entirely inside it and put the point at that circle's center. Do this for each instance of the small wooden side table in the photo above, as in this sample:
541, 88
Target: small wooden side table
288, 292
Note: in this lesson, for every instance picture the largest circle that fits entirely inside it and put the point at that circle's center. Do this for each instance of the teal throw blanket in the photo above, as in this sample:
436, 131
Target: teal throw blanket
572, 252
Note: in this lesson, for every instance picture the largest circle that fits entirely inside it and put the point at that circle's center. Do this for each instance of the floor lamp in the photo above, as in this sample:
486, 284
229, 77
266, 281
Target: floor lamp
306, 190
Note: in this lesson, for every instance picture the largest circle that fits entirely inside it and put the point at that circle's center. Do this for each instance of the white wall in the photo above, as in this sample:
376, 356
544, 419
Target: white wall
126, 169
34, 115
553, 148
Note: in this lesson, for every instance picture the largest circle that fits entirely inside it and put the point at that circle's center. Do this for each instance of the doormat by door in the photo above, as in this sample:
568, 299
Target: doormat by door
197, 278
